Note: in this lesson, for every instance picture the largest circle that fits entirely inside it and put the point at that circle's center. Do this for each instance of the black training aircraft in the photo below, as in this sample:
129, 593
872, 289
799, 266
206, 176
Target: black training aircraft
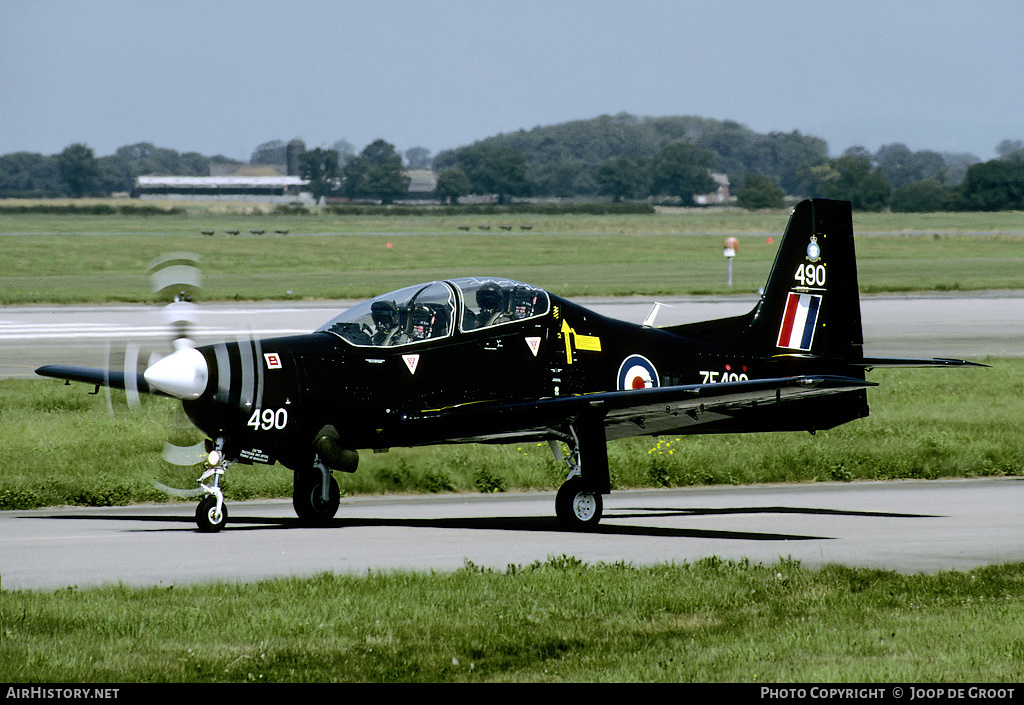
489, 360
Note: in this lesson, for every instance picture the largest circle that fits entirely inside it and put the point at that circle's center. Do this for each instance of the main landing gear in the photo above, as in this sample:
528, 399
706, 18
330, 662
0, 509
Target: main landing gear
577, 508
315, 495
578, 504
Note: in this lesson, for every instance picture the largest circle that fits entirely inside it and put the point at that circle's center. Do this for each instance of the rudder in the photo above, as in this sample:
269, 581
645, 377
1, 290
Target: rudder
811, 303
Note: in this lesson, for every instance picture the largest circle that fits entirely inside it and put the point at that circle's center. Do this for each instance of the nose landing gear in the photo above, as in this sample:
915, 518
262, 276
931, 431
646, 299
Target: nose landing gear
212, 514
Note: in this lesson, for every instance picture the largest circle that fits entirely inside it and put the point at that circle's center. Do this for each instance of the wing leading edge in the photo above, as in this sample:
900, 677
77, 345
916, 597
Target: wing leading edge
99, 377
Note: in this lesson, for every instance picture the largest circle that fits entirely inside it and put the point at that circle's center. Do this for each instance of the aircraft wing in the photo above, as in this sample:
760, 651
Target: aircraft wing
98, 376
626, 413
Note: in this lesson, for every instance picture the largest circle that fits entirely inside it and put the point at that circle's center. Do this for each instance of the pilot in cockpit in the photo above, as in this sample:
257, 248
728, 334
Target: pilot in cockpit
386, 322
428, 321
422, 323
491, 300
524, 302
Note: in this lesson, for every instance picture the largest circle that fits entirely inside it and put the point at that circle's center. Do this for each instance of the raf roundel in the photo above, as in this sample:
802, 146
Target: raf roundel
637, 372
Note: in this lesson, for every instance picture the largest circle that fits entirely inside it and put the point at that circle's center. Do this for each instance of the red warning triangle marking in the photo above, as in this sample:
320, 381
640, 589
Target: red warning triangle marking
412, 362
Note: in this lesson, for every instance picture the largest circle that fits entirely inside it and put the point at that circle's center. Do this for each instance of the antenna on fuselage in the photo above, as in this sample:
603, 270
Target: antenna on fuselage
649, 321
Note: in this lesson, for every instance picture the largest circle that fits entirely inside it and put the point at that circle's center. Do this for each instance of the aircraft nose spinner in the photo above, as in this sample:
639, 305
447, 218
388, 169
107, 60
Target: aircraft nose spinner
183, 374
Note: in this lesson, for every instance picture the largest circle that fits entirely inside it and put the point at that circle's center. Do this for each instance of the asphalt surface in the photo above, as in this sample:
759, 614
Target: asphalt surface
908, 526
904, 526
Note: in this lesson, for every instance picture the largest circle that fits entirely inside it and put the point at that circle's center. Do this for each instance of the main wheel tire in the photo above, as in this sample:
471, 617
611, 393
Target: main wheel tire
576, 509
308, 501
208, 519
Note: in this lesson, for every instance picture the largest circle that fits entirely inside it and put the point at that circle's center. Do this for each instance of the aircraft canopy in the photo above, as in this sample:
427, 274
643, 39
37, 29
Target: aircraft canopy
434, 310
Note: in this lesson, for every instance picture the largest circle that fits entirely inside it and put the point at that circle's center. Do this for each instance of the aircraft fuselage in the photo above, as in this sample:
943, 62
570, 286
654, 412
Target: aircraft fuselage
277, 395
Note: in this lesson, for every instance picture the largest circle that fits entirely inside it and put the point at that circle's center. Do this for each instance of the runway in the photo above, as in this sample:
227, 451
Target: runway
904, 526
967, 326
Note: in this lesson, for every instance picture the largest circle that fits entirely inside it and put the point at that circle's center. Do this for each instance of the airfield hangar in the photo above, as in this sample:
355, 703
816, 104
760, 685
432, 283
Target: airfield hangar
257, 189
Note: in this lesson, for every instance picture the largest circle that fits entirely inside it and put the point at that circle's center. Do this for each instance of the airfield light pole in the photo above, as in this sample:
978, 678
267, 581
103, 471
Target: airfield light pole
732, 246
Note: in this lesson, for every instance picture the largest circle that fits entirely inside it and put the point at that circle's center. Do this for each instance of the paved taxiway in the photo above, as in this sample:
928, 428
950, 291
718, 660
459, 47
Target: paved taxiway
907, 526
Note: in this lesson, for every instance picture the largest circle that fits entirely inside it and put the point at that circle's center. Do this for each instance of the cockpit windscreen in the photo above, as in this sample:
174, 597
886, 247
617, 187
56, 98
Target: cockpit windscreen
430, 311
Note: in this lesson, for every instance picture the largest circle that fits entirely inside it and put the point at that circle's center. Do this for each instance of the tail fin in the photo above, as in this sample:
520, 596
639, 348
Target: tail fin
811, 304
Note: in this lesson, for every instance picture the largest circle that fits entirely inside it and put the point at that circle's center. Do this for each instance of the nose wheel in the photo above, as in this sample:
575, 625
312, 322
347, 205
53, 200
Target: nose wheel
211, 514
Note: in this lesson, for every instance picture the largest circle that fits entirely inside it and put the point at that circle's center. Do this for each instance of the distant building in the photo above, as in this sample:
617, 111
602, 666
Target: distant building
231, 169
421, 181
720, 195
258, 189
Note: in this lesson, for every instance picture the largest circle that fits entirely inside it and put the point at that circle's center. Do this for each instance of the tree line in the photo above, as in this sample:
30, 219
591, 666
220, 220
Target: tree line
78, 172
618, 158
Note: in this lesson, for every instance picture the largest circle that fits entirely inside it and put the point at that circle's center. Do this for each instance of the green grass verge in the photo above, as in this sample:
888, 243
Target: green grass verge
560, 620
76, 259
61, 445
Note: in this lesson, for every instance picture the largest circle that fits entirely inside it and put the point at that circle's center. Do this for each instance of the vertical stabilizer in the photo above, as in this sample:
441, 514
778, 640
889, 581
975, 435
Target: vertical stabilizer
811, 304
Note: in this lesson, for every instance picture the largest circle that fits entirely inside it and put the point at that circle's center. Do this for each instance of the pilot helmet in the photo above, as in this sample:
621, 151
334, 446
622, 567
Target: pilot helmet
385, 314
488, 297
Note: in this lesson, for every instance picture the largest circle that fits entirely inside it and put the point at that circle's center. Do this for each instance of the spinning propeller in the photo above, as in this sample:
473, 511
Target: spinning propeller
176, 278
175, 368
185, 374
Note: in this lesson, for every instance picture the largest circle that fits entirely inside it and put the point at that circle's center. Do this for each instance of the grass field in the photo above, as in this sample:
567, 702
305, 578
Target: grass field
72, 259
558, 621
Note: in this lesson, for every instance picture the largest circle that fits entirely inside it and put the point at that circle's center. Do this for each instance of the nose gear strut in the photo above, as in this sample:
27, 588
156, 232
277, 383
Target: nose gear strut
212, 514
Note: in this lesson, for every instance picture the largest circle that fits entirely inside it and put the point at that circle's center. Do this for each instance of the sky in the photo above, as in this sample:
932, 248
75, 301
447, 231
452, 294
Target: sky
224, 76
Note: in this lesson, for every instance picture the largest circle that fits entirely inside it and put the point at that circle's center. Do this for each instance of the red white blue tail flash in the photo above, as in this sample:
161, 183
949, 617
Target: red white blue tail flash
797, 331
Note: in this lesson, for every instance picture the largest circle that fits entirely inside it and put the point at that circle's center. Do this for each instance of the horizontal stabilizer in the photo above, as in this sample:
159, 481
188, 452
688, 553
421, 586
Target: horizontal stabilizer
871, 362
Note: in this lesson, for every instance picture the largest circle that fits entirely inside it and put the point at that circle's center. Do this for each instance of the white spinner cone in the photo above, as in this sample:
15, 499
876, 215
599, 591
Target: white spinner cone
182, 374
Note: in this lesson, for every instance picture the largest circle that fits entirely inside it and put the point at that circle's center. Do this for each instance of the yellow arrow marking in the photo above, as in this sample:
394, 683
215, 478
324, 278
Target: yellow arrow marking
591, 343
